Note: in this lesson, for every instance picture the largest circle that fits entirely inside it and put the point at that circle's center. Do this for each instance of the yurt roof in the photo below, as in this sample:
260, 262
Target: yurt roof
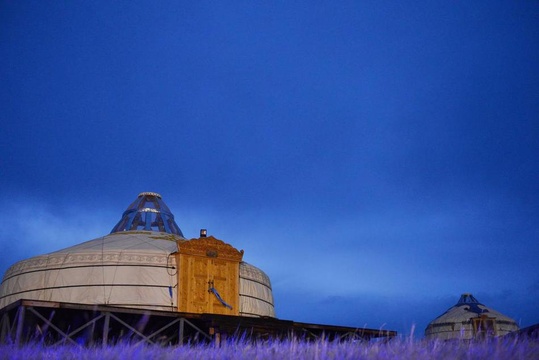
467, 307
141, 241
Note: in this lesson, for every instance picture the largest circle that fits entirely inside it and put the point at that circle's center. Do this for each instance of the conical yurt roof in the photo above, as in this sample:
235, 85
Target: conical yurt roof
468, 319
130, 267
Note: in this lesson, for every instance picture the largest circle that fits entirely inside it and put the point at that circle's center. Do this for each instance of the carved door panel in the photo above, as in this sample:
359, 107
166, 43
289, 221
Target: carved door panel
192, 284
198, 286
223, 277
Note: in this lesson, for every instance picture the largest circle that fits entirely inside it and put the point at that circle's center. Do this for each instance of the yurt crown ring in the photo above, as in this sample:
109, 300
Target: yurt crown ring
150, 194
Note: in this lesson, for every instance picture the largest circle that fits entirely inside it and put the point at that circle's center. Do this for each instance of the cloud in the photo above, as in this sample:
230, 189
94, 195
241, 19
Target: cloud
32, 227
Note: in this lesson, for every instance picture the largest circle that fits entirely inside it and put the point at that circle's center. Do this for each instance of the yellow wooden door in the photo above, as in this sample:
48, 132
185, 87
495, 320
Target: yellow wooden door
193, 284
208, 277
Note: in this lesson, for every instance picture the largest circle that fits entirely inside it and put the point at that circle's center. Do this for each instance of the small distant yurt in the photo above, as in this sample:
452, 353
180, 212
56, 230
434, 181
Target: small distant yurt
145, 263
469, 319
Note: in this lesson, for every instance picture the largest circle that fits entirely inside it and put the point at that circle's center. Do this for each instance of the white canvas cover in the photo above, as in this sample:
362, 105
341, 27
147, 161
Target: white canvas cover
129, 269
256, 297
132, 269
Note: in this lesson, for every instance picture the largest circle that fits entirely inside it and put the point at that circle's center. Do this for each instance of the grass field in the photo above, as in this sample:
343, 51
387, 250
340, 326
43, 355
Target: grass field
290, 349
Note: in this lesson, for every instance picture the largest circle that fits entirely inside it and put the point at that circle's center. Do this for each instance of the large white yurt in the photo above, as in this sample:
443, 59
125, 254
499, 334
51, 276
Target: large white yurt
145, 263
469, 319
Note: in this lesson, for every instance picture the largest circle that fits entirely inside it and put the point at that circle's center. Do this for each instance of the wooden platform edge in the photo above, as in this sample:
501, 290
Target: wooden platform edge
208, 325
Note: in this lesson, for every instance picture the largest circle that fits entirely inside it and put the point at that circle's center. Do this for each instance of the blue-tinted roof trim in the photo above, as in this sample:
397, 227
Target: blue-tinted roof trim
472, 303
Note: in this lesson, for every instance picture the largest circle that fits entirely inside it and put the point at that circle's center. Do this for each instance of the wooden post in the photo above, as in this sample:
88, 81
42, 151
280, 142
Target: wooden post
106, 329
217, 339
214, 333
20, 324
180, 335
5, 332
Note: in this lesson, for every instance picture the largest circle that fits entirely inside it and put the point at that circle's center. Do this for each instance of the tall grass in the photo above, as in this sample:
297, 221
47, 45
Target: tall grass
503, 348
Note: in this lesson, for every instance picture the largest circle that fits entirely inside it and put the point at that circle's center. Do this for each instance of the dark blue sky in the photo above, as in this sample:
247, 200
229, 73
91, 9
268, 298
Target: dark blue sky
375, 158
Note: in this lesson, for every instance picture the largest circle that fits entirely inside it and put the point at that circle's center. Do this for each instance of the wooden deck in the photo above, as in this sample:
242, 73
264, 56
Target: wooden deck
57, 323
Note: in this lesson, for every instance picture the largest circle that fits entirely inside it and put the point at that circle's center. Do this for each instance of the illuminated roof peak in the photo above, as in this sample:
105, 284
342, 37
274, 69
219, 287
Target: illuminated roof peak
150, 213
